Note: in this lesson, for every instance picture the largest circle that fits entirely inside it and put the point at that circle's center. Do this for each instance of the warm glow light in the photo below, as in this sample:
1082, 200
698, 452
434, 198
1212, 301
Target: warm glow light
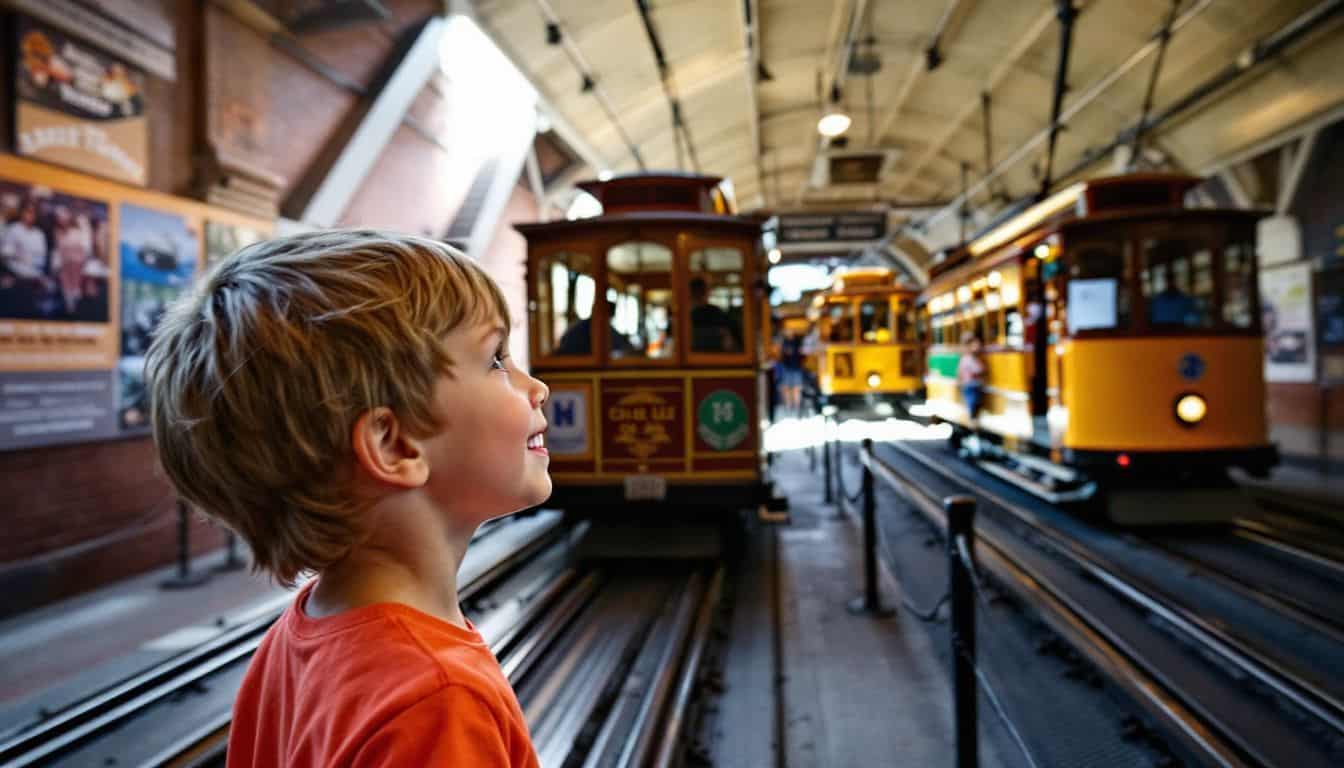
1028, 219
1042, 251
1010, 295
995, 279
833, 124
964, 294
774, 256
1191, 409
874, 380
992, 301
1122, 460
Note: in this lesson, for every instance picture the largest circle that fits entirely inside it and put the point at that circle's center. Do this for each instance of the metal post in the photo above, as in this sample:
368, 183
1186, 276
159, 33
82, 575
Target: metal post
1325, 430
960, 526
232, 562
184, 577
869, 603
826, 457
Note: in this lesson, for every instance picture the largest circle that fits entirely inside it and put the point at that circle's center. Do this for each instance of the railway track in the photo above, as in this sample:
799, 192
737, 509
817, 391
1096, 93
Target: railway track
605, 662
1224, 689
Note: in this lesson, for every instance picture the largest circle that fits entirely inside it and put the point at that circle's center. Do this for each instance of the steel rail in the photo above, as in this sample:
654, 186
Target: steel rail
1079, 625
1254, 662
1314, 552
675, 721
1301, 611
87, 717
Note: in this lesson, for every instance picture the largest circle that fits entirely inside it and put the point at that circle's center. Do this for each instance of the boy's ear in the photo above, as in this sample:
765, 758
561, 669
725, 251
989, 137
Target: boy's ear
386, 453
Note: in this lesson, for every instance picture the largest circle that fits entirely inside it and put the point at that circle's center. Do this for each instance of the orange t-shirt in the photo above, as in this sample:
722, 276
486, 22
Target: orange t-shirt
382, 685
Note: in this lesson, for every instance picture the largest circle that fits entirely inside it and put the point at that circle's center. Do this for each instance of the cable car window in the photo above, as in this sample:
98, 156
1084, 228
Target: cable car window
875, 321
1014, 329
907, 322
1098, 291
640, 301
565, 291
840, 322
717, 300
1178, 283
1239, 284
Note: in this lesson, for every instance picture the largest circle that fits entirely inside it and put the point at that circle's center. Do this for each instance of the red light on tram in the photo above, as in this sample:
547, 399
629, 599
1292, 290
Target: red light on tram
1122, 460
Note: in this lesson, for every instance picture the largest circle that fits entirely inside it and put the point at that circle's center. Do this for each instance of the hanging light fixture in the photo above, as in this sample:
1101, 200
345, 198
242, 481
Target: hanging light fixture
835, 121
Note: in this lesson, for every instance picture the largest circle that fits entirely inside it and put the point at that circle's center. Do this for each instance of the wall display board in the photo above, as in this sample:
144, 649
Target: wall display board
78, 107
1290, 339
159, 253
87, 267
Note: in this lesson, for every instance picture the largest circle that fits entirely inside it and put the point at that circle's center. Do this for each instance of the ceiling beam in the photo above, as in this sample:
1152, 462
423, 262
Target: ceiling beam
750, 16
918, 66
972, 107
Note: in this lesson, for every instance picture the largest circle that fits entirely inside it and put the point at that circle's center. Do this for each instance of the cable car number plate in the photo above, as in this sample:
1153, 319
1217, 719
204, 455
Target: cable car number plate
645, 487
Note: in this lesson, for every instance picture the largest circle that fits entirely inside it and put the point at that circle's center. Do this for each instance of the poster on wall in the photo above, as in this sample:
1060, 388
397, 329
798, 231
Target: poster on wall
158, 252
57, 341
223, 239
1290, 340
78, 107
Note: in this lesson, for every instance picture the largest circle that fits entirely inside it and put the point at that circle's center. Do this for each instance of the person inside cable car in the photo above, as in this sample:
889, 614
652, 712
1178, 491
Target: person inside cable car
712, 329
577, 339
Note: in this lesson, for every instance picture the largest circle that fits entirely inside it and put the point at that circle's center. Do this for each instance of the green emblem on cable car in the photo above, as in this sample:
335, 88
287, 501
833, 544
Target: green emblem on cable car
722, 418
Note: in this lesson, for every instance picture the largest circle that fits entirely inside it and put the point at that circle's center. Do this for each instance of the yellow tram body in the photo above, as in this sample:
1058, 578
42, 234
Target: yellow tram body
645, 325
1121, 332
868, 358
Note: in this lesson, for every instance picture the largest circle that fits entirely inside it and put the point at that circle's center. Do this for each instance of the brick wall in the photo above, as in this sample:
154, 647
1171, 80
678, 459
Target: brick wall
80, 516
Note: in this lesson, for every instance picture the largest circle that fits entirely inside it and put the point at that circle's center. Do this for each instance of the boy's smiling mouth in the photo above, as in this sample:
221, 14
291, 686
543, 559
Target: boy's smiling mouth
537, 443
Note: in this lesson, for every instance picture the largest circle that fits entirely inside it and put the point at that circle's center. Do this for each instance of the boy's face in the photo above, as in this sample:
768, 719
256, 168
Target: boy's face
488, 459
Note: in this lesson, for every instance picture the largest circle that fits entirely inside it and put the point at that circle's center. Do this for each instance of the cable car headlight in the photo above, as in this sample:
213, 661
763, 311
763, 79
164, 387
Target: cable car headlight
874, 380
1191, 409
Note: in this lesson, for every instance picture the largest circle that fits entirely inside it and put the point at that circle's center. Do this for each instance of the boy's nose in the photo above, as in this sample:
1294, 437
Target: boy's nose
538, 391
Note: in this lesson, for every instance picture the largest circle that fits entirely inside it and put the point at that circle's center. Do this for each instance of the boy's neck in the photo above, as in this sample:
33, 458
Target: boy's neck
412, 558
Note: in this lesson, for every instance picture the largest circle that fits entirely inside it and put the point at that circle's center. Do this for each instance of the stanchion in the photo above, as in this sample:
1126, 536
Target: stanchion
869, 603
826, 454
184, 577
960, 526
232, 562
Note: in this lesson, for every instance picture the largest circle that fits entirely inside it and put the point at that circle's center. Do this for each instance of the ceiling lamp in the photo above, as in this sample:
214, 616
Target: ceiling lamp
835, 121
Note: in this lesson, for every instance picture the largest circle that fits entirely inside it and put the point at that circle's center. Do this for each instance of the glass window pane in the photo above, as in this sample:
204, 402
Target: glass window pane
875, 321
718, 300
1098, 292
565, 291
640, 301
1238, 284
839, 322
1178, 283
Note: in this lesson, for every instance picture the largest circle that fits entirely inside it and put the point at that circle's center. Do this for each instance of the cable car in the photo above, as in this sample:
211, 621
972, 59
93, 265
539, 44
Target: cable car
869, 355
646, 325
1122, 343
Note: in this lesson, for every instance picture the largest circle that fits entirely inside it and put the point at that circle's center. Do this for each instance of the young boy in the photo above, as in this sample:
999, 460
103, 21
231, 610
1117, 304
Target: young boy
345, 401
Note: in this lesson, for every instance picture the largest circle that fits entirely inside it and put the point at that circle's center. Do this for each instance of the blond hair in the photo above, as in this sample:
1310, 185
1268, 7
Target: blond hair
257, 375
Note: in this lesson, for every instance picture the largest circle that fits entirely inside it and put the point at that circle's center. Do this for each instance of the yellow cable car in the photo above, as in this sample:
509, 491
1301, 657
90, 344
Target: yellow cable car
869, 353
1122, 342
644, 324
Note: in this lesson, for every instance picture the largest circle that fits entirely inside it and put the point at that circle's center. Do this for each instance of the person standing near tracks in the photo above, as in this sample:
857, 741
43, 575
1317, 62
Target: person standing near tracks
971, 380
345, 402
791, 372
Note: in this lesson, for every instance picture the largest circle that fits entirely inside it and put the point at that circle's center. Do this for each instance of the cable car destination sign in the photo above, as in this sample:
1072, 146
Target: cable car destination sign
800, 228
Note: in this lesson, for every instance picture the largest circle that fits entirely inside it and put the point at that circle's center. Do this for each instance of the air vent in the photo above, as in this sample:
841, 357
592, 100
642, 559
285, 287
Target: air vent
846, 166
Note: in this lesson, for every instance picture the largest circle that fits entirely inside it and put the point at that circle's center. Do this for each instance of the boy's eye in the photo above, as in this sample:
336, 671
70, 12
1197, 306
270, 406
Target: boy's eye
497, 361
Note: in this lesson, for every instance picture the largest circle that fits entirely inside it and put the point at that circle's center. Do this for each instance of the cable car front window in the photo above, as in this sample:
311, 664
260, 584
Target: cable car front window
565, 292
1239, 285
1178, 283
839, 322
717, 300
875, 321
640, 301
1098, 287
